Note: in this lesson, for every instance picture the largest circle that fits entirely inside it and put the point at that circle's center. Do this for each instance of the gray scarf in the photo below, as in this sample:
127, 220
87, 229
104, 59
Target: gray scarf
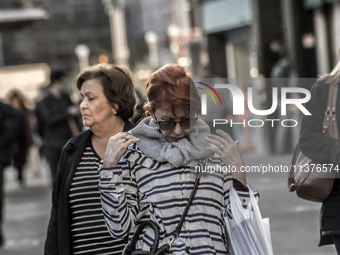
153, 144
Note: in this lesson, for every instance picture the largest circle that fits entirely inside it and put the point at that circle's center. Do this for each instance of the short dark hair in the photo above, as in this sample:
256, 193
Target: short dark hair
117, 86
57, 75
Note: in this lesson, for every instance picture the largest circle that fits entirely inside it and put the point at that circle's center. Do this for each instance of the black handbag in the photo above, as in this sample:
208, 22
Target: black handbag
312, 180
164, 249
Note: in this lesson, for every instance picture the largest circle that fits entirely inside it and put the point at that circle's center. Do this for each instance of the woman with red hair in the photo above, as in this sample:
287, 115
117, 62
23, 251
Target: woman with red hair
152, 179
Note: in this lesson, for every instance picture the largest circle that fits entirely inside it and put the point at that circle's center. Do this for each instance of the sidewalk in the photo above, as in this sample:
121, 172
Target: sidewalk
27, 212
33, 178
294, 222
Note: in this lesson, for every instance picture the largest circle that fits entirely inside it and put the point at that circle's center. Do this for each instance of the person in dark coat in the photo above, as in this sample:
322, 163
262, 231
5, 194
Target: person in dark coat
77, 223
321, 148
11, 122
57, 117
25, 139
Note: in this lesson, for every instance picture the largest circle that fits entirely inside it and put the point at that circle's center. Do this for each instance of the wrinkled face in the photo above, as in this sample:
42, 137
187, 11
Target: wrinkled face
95, 108
164, 115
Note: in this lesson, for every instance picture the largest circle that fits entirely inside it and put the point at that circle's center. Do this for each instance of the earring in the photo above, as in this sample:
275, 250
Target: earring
114, 109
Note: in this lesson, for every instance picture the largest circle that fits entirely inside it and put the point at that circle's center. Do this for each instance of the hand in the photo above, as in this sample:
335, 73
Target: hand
116, 147
225, 147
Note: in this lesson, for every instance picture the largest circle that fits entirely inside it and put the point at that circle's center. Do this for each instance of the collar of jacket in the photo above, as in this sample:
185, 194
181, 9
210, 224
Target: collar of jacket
76, 141
85, 135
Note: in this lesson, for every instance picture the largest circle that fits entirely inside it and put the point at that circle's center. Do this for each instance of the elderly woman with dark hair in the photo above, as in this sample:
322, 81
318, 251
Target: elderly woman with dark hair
77, 224
154, 178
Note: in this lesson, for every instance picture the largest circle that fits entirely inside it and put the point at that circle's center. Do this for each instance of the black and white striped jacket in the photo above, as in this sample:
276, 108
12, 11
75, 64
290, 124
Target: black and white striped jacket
140, 188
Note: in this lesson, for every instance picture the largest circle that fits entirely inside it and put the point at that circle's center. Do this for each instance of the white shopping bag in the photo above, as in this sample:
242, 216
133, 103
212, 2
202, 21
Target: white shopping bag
246, 229
266, 224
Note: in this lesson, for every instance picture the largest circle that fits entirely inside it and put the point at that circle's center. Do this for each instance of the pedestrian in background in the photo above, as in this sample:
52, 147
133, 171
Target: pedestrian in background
279, 138
58, 119
321, 148
24, 138
77, 223
11, 123
154, 177
138, 114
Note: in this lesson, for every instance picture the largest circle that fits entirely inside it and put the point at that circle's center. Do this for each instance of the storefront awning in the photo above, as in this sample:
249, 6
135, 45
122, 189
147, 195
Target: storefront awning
29, 79
17, 18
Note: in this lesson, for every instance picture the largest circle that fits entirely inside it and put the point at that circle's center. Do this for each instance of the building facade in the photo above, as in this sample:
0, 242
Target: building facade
53, 41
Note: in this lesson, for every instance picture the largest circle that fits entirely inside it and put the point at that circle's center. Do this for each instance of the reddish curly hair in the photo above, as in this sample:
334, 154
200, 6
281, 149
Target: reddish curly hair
172, 85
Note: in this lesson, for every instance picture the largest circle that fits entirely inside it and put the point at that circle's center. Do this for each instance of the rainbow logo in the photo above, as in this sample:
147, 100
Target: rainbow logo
209, 93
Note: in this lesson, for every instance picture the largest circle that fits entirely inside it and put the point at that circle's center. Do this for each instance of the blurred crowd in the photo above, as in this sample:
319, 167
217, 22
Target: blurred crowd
54, 114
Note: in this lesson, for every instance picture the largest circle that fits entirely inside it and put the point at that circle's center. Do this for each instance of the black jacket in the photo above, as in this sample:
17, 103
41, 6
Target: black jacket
11, 127
53, 120
59, 239
321, 148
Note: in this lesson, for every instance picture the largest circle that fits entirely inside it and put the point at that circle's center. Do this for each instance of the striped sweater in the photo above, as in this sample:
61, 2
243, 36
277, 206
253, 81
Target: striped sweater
140, 188
89, 234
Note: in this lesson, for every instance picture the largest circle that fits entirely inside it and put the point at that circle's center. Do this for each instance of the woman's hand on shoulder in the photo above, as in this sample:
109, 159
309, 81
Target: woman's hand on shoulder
116, 147
227, 149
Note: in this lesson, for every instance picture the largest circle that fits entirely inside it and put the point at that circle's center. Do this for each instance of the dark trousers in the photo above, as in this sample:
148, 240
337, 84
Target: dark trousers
19, 160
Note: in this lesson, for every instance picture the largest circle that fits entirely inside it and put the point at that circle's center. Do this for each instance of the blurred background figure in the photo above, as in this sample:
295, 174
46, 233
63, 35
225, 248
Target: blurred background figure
11, 122
281, 68
58, 119
138, 113
279, 138
24, 138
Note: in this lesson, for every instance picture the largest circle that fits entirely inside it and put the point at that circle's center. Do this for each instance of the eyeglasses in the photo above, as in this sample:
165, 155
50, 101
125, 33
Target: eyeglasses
169, 125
